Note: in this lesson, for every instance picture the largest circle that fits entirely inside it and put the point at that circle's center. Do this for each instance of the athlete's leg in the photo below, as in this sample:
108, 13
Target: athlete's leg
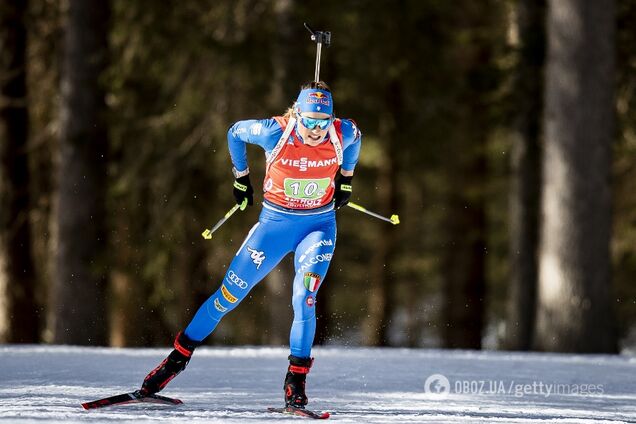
264, 247
311, 262
261, 251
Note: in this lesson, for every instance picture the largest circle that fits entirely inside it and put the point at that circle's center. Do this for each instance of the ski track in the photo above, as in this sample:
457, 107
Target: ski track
41, 384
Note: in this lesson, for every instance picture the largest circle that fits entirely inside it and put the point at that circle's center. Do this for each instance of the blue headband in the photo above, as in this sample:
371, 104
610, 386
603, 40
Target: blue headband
315, 100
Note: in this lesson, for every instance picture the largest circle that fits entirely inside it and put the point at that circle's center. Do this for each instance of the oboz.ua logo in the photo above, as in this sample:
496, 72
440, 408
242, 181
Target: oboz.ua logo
438, 385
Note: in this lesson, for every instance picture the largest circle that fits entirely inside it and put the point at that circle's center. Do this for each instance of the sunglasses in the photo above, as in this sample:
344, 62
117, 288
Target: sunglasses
311, 123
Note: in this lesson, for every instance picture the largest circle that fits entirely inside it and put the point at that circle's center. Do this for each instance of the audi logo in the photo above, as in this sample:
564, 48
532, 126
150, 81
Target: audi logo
236, 280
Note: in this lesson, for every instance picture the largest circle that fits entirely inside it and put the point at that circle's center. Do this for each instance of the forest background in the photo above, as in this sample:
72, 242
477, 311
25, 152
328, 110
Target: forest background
501, 131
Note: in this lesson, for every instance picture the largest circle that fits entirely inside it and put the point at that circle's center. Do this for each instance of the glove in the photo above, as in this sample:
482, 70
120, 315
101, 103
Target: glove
343, 190
243, 190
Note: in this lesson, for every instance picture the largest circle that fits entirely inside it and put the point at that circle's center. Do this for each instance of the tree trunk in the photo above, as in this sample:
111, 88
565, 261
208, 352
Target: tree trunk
79, 288
574, 310
380, 295
464, 258
525, 178
19, 321
128, 316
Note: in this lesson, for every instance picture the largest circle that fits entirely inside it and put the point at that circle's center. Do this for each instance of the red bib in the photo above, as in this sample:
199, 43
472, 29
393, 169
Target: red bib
302, 176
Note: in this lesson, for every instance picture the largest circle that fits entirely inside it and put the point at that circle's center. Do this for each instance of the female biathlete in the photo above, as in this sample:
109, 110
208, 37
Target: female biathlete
310, 159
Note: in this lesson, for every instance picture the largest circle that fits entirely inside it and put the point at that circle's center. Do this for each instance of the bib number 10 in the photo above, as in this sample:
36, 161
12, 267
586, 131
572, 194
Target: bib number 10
306, 189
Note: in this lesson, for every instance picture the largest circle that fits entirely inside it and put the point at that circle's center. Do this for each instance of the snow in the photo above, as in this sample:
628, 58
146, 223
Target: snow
41, 384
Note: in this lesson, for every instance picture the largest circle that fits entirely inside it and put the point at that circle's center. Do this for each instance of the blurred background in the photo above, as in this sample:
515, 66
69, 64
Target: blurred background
502, 132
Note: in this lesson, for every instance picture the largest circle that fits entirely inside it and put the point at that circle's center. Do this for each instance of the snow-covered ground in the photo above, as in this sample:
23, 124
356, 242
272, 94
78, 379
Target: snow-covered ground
235, 385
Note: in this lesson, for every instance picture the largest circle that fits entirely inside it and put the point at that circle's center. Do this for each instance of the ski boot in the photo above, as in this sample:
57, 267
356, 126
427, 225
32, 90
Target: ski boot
176, 362
295, 381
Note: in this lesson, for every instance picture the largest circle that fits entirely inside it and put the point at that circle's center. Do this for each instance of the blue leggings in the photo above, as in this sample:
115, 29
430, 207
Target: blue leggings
311, 237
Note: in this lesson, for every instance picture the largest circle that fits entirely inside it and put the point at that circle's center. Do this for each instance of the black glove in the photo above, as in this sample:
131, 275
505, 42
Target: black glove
343, 190
243, 190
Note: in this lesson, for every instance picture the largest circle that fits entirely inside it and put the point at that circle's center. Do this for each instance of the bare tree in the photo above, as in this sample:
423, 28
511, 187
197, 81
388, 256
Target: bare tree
574, 309
526, 175
78, 312
18, 310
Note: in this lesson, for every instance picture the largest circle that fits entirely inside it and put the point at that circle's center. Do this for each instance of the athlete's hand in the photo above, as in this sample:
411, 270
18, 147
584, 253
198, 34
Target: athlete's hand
243, 190
343, 190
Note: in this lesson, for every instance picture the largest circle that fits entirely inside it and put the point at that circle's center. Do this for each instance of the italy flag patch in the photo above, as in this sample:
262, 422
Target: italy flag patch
312, 281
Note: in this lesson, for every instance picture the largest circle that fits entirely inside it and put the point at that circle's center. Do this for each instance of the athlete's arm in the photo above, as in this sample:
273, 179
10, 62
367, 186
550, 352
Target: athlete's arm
263, 132
351, 141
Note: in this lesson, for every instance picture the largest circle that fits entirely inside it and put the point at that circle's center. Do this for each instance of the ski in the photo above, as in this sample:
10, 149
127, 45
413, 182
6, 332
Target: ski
301, 412
132, 397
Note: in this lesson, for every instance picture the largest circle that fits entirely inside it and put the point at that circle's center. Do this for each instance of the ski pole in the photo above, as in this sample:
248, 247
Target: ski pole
207, 234
395, 220
320, 38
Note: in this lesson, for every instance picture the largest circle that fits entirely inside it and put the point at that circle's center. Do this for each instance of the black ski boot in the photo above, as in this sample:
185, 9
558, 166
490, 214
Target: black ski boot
176, 362
295, 381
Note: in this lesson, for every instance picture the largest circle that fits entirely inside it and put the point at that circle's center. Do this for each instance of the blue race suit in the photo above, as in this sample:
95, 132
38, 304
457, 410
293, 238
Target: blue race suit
310, 234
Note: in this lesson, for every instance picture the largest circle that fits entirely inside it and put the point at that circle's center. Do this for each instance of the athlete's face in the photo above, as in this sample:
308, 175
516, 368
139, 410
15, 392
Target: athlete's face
313, 136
